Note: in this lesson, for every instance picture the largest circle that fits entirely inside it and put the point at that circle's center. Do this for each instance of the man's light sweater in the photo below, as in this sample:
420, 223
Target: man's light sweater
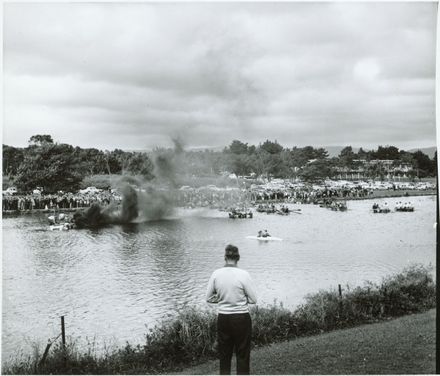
232, 289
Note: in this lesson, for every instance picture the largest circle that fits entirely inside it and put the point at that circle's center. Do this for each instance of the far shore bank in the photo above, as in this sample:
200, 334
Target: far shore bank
377, 194
398, 193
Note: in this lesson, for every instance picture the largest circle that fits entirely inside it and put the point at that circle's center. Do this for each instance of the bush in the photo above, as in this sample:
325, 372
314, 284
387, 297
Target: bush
411, 291
271, 324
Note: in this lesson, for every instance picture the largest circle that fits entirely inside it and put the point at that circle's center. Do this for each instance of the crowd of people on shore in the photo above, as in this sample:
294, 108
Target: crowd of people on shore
190, 197
49, 202
307, 195
223, 198
216, 198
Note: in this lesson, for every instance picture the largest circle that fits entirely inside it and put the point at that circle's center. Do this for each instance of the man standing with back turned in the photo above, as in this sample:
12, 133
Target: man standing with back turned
232, 289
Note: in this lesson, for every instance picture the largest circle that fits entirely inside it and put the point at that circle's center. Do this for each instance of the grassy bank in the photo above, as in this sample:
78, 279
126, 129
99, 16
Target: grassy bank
405, 345
191, 337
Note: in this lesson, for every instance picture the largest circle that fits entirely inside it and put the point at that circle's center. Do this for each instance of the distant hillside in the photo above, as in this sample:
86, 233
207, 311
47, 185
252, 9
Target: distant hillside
333, 151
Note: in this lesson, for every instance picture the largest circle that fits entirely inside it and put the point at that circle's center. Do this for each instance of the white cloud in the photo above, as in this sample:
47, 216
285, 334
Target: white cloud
129, 75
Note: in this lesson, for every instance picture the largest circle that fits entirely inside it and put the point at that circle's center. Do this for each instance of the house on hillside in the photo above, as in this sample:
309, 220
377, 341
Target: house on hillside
377, 168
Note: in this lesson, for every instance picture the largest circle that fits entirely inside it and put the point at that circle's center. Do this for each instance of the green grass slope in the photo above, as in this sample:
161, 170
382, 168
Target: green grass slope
401, 346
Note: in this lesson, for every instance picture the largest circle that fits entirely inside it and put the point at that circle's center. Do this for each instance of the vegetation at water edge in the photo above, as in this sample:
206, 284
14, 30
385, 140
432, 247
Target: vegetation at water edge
190, 337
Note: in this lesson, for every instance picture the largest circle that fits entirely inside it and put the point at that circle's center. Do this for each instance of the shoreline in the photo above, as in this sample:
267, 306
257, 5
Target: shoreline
393, 194
376, 195
190, 338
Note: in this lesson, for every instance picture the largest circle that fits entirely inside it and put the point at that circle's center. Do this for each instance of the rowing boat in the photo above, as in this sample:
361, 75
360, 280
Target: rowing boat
264, 239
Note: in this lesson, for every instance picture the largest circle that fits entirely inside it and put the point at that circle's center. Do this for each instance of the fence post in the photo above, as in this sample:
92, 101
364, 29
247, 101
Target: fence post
63, 332
340, 300
46, 351
63, 340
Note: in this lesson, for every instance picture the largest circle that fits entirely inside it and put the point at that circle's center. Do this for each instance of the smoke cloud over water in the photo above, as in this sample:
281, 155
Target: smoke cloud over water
141, 201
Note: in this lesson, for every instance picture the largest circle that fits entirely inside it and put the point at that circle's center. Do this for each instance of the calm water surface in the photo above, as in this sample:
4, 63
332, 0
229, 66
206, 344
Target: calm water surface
114, 282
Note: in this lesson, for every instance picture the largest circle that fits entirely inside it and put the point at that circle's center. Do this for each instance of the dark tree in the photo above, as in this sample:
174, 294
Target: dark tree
298, 158
318, 170
240, 164
40, 139
51, 166
347, 152
362, 154
434, 171
238, 147
387, 152
92, 160
116, 161
276, 166
12, 158
271, 147
140, 164
346, 157
423, 163
312, 153
321, 153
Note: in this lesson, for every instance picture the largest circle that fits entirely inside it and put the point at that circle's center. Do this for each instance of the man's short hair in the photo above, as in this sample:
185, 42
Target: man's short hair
231, 252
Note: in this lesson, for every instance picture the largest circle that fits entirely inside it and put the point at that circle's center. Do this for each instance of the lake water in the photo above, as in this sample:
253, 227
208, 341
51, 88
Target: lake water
113, 282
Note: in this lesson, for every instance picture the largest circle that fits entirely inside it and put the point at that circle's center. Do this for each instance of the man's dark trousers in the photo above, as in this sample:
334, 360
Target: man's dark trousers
234, 331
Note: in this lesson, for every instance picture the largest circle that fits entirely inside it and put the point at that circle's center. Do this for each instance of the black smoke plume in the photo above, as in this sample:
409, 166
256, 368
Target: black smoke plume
141, 201
98, 216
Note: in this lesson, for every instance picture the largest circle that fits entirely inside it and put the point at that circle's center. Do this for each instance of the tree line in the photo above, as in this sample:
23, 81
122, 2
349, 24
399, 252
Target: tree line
312, 164
59, 166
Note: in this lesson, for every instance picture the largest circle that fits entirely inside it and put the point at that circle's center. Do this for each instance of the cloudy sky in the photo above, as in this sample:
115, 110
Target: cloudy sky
133, 76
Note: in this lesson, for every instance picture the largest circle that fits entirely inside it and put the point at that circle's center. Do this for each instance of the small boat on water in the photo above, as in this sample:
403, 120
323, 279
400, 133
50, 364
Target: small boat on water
272, 209
266, 209
404, 207
383, 210
334, 205
236, 213
264, 238
380, 209
56, 219
61, 227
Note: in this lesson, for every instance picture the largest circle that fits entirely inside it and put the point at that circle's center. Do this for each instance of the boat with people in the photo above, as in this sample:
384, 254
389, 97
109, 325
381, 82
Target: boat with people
272, 209
60, 221
56, 219
240, 213
266, 208
338, 206
381, 209
404, 207
334, 205
266, 239
264, 236
61, 227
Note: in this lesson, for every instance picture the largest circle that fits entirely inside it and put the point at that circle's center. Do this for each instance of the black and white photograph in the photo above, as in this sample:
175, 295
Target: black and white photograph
219, 187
